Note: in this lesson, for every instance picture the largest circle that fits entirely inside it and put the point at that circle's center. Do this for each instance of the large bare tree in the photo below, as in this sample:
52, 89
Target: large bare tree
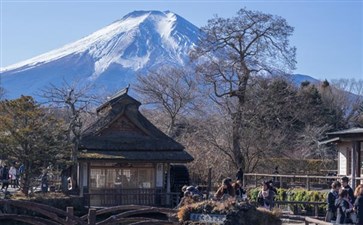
232, 50
171, 89
348, 95
75, 99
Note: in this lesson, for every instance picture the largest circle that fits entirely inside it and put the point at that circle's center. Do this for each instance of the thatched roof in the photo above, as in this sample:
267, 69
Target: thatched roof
348, 135
122, 132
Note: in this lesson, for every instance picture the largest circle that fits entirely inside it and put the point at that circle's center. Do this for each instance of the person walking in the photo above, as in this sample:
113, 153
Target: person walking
344, 208
333, 195
266, 196
5, 178
12, 175
345, 185
358, 204
44, 182
238, 189
239, 174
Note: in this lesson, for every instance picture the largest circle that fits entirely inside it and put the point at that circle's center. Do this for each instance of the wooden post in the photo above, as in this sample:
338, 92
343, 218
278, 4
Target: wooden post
307, 183
354, 165
280, 181
209, 188
244, 181
316, 210
256, 180
359, 161
168, 185
92, 216
70, 210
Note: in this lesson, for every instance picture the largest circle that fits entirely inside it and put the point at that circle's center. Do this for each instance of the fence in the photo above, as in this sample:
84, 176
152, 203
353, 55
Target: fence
295, 206
288, 180
309, 220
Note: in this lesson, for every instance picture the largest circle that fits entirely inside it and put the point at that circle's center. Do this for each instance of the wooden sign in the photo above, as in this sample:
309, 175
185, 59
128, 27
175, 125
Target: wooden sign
208, 218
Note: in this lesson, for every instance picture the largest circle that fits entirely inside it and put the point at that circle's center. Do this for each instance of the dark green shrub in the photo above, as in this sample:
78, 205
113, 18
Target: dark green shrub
296, 195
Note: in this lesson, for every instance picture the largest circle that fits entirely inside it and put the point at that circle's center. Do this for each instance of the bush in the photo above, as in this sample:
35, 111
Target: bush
296, 195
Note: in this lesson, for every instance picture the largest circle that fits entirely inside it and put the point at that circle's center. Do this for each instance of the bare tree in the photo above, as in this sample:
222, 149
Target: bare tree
233, 50
172, 89
348, 95
76, 100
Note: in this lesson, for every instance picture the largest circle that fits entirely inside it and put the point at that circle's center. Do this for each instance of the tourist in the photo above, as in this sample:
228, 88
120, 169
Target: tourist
12, 175
266, 196
225, 190
186, 199
5, 178
333, 195
345, 185
239, 174
240, 193
194, 191
272, 187
344, 208
44, 183
358, 204
275, 178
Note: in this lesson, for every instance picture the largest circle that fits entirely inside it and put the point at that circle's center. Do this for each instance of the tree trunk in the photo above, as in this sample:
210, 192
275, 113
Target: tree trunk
236, 138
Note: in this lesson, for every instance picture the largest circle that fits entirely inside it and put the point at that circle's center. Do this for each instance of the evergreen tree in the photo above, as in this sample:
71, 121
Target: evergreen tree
31, 137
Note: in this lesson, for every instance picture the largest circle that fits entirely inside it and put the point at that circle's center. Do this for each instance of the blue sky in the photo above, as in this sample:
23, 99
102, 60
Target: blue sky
328, 34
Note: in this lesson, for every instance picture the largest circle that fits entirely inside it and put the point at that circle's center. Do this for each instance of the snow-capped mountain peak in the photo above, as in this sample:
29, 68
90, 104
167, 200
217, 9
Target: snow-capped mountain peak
137, 42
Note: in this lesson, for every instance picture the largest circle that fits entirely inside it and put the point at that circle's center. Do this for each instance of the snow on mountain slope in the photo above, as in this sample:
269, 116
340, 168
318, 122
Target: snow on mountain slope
109, 57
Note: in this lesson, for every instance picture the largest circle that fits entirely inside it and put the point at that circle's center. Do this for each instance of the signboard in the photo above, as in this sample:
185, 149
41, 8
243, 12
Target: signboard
208, 218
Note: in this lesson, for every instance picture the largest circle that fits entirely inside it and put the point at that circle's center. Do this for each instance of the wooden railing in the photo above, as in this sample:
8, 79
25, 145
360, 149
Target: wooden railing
149, 197
47, 215
288, 180
295, 204
309, 220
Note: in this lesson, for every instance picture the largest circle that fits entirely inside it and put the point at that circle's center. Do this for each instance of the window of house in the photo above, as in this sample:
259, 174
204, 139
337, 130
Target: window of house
122, 178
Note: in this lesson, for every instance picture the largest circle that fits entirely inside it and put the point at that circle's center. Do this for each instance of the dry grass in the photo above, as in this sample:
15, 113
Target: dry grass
237, 213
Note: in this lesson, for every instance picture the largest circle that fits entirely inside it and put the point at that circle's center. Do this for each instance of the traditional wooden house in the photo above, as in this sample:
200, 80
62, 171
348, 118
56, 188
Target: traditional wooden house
349, 144
125, 159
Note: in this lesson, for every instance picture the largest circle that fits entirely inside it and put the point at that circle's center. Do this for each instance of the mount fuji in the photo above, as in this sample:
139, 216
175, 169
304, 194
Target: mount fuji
110, 57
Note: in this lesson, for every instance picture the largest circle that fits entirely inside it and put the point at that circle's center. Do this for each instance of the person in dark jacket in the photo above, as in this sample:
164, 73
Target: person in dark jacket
358, 204
44, 183
225, 190
240, 192
333, 195
344, 208
5, 178
239, 174
345, 185
266, 196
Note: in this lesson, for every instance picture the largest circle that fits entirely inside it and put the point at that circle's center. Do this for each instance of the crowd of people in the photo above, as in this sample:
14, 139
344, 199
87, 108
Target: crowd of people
10, 176
228, 189
345, 206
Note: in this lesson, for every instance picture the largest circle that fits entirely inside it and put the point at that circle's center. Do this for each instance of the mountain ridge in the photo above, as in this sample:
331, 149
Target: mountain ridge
110, 56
